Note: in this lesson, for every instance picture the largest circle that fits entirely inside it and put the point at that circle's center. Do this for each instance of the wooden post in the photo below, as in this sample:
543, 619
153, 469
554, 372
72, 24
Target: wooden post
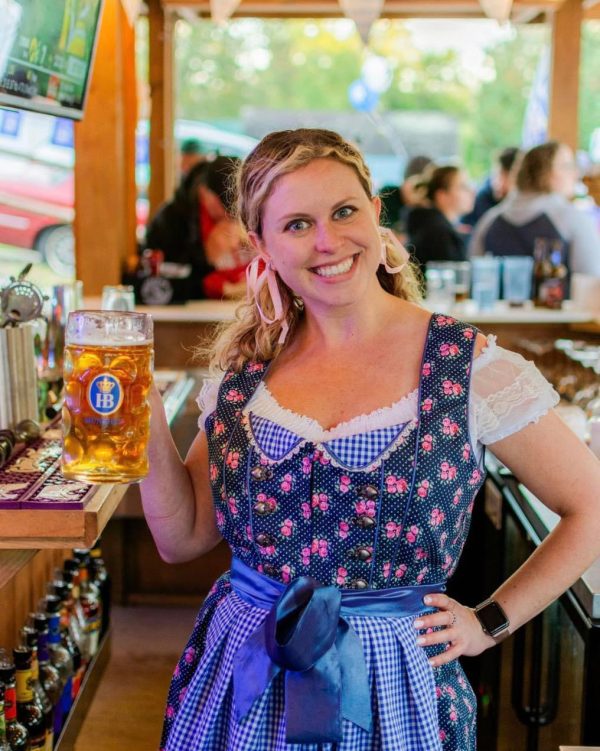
563, 117
160, 45
105, 158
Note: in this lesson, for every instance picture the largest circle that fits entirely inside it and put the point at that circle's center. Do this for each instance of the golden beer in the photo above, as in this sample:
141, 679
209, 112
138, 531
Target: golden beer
106, 416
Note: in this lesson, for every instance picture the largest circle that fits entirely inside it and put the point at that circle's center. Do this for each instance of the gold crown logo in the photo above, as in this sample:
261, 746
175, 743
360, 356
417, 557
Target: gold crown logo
106, 386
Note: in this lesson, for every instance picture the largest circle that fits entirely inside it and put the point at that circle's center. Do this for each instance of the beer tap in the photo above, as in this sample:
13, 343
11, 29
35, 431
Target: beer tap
21, 300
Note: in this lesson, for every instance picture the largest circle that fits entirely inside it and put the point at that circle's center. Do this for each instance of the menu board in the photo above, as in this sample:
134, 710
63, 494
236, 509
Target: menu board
46, 53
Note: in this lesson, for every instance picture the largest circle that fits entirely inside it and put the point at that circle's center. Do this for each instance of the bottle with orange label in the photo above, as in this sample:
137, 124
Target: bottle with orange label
29, 712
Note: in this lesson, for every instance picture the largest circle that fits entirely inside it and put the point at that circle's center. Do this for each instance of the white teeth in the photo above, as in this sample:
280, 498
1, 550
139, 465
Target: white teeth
340, 268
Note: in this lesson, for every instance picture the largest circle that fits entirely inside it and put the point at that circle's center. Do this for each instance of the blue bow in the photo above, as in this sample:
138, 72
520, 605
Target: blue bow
325, 673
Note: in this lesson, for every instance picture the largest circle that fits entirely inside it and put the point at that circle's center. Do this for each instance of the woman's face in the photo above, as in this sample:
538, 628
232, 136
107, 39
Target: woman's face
321, 231
563, 175
458, 198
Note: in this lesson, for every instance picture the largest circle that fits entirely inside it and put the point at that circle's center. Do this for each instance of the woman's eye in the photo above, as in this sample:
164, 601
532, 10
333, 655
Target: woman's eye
344, 212
297, 225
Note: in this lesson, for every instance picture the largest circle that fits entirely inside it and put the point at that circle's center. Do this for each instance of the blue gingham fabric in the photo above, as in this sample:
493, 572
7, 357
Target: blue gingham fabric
402, 690
361, 450
274, 441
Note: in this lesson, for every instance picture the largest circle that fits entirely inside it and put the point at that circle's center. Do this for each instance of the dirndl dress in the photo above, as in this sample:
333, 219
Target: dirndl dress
373, 512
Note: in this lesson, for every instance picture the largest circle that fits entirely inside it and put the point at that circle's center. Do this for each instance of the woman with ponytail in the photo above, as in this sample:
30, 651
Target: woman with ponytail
339, 455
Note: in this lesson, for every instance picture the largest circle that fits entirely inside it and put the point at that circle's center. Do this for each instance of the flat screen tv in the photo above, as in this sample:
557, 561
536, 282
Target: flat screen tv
46, 53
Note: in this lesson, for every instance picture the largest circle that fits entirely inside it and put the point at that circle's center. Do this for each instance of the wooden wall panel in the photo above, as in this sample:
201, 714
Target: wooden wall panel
563, 113
161, 80
104, 158
23, 579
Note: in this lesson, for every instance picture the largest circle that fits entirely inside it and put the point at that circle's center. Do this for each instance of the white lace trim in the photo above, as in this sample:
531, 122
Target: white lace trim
511, 408
507, 393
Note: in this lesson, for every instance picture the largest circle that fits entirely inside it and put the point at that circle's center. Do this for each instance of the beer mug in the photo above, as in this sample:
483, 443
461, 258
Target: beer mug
106, 416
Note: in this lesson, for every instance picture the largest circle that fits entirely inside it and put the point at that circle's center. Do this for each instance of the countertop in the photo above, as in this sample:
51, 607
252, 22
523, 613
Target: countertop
216, 311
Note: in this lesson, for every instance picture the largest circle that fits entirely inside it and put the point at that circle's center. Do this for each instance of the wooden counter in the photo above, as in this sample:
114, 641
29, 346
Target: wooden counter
178, 329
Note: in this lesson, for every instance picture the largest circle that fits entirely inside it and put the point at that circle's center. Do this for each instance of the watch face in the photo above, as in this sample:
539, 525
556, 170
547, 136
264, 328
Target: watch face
492, 618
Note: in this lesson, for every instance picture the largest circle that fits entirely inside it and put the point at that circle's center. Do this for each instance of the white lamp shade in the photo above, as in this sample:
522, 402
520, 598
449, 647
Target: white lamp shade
364, 13
222, 10
499, 10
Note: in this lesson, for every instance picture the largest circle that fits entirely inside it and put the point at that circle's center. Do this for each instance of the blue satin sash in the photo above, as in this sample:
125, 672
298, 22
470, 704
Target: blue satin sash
305, 634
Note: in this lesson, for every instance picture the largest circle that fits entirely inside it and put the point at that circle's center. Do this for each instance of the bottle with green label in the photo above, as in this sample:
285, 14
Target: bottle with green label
29, 712
3, 740
16, 733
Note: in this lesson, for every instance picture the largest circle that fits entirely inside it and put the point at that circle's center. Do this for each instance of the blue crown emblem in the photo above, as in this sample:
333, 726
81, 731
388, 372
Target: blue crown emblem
105, 394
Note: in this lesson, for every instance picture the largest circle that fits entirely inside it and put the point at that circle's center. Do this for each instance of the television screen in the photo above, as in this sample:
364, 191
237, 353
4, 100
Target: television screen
46, 52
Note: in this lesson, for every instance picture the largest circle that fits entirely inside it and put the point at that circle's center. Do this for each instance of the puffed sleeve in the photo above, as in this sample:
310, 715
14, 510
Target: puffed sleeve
207, 398
507, 393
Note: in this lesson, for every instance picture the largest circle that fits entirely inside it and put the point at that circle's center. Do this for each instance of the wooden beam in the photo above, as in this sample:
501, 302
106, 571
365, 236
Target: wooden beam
104, 165
331, 8
563, 116
160, 72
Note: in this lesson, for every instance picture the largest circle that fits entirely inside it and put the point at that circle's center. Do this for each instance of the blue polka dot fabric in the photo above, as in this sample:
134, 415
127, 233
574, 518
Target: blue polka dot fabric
384, 509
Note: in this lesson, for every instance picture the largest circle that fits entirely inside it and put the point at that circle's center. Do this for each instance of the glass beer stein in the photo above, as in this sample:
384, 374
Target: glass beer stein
106, 417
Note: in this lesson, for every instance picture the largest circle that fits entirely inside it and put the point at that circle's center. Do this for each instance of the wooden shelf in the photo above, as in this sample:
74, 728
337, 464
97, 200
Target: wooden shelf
47, 528
80, 528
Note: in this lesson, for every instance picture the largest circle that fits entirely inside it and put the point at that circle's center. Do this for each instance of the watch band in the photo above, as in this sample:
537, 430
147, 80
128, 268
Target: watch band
493, 619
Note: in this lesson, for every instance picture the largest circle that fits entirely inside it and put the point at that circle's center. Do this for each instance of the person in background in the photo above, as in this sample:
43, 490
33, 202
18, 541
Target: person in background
495, 187
190, 154
541, 207
339, 454
192, 229
397, 200
433, 228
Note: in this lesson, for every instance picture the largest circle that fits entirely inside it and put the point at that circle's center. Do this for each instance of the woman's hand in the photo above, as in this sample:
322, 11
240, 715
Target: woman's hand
458, 628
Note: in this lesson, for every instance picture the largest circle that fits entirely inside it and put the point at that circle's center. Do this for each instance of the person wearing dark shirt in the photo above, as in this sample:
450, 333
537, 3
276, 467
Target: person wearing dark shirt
397, 200
495, 187
432, 228
180, 228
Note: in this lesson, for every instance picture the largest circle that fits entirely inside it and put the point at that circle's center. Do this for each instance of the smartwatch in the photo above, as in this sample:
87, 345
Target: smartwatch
492, 618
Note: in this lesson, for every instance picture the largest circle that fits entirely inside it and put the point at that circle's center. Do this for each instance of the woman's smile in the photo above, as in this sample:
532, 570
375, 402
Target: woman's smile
336, 270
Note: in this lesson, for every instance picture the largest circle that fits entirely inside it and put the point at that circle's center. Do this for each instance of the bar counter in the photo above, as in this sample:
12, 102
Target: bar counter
178, 329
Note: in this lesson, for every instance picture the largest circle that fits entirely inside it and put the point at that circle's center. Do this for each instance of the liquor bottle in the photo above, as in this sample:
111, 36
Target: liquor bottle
71, 573
101, 578
71, 635
49, 675
3, 740
29, 639
549, 273
89, 596
29, 713
60, 656
16, 733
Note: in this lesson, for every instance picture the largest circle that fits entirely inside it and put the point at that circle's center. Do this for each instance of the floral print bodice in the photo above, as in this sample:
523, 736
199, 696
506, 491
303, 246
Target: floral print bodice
385, 508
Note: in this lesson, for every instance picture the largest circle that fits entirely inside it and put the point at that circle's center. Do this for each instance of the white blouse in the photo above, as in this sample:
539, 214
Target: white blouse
507, 393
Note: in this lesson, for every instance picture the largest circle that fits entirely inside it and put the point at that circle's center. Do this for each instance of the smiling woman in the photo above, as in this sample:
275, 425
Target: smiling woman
340, 453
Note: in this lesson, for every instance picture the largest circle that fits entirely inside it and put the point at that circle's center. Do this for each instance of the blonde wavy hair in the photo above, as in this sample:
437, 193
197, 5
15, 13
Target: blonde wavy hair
249, 338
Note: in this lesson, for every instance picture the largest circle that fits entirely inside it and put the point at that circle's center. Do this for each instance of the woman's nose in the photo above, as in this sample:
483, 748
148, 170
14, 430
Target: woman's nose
327, 239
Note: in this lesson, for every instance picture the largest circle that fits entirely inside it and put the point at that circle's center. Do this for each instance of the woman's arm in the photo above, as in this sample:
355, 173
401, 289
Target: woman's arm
559, 469
176, 495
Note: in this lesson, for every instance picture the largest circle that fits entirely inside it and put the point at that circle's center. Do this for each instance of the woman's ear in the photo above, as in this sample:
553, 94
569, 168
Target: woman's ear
376, 201
257, 245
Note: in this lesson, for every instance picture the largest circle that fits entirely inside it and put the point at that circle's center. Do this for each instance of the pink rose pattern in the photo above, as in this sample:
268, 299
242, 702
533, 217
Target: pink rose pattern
390, 527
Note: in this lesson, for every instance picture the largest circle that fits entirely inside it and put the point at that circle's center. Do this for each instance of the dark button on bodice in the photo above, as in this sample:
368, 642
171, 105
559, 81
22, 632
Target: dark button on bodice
359, 584
264, 540
365, 522
270, 570
368, 492
264, 508
261, 473
361, 553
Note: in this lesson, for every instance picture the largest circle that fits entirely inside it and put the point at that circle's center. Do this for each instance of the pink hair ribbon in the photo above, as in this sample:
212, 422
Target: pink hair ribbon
387, 234
255, 279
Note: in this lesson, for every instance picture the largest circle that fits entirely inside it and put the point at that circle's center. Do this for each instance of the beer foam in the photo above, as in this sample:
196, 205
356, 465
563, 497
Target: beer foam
100, 331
